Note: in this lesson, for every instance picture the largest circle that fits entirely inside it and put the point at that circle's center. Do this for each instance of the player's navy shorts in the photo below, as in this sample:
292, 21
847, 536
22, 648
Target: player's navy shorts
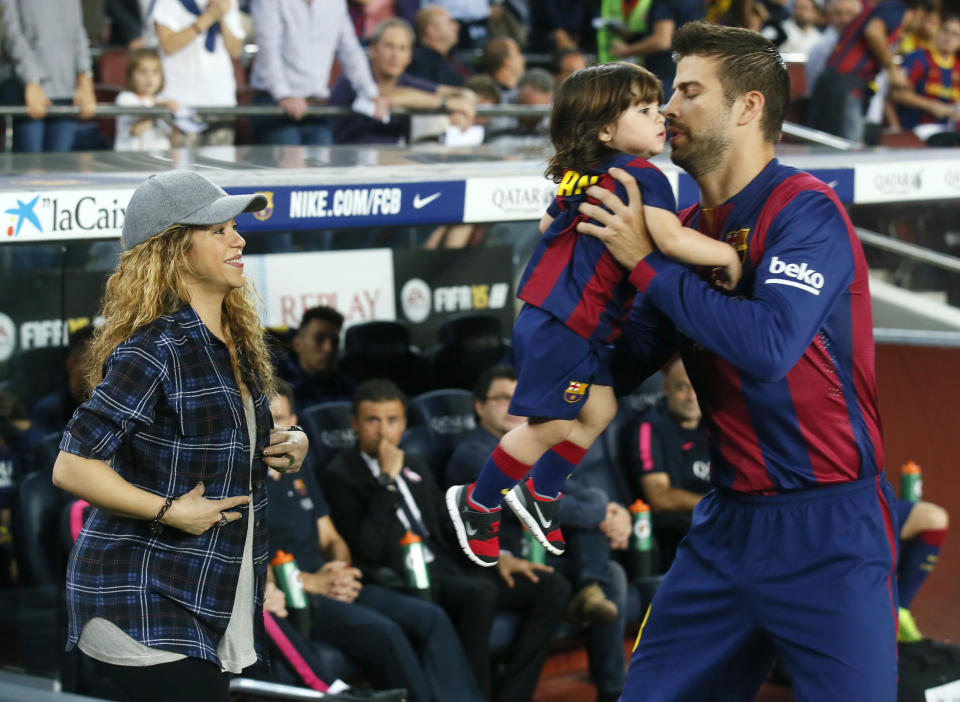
555, 366
808, 577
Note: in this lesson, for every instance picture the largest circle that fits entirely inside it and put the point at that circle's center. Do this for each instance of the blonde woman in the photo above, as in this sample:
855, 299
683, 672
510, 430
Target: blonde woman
165, 583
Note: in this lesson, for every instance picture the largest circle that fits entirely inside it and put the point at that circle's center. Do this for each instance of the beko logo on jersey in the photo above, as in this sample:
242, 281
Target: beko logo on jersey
803, 277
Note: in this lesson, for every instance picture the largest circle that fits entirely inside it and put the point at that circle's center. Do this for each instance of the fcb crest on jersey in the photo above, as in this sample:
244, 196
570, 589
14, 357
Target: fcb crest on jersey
267, 212
738, 240
575, 391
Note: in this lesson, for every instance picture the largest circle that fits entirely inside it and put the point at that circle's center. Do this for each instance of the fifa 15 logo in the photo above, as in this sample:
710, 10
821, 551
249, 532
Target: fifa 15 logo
804, 278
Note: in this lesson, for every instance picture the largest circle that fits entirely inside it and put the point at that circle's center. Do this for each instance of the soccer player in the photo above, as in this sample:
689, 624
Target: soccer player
794, 551
576, 297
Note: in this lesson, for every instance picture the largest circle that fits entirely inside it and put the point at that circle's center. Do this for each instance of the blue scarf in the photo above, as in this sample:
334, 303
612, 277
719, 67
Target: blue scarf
211, 41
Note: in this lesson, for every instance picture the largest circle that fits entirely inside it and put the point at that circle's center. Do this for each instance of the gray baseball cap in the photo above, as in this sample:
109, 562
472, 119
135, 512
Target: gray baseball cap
180, 197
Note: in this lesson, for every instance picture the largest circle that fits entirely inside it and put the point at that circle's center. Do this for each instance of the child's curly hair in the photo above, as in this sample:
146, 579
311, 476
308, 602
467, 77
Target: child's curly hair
587, 101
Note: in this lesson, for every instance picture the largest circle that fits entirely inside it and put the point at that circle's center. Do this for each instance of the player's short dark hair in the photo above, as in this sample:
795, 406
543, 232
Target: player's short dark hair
324, 314
377, 390
588, 100
481, 388
283, 389
746, 61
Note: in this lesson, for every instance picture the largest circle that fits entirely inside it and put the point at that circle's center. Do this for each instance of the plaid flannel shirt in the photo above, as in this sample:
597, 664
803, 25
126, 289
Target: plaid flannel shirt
168, 414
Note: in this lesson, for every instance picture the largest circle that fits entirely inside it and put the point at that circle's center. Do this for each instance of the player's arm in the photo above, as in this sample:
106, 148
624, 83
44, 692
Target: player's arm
875, 35
690, 246
807, 265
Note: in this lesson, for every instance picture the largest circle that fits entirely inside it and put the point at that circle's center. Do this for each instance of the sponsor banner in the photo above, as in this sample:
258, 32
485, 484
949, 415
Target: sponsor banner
57, 214
507, 199
362, 205
906, 180
359, 284
433, 286
38, 312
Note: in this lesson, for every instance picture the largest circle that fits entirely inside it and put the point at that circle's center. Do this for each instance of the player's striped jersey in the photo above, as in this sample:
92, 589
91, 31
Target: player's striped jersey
571, 275
931, 76
783, 367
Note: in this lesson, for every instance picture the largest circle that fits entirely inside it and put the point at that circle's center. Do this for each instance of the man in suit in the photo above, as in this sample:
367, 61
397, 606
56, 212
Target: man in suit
378, 492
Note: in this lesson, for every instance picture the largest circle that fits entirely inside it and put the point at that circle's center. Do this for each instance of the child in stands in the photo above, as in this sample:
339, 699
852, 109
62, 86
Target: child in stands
143, 83
577, 297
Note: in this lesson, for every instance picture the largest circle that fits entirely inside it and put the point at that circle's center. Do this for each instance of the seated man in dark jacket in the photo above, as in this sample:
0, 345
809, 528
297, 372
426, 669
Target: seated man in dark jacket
399, 640
378, 493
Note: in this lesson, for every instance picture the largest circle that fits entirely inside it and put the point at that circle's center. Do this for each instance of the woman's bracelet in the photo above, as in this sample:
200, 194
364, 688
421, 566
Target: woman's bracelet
155, 526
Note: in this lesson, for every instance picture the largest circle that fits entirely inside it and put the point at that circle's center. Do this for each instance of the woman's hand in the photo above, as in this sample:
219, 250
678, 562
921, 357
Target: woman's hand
195, 514
274, 601
286, 451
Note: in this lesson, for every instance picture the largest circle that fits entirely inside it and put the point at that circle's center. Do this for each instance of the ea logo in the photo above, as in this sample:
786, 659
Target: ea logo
415, 299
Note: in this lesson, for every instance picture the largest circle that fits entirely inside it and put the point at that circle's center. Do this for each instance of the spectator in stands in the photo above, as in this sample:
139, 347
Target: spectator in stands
437, 32
52, 412
312, 371
487, 91
931, 105
801, 28
535, 89
839, 97
921, 34
654, 48
126, 23
197, 48
382, 492
565, 62
46, 58
558, 24
391, 48
670, 460
298, 42
143, 83
839, 14
505, 63
473, 17
587, 517
400, 640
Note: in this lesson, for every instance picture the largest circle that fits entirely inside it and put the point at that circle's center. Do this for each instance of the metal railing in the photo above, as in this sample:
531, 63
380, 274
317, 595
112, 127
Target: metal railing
917, 253
11, 112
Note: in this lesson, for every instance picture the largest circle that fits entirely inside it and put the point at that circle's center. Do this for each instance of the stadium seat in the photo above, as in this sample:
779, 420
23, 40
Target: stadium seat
111, 67
329, 430
437, 419
382, 350
468, 345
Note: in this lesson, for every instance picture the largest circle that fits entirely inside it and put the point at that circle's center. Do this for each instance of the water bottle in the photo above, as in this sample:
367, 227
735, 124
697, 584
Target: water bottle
533, 550
287, 575
415, 565
639, 552
911, 482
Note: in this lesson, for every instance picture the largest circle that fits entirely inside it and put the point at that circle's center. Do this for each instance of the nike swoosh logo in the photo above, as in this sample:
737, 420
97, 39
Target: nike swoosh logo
419, 202
832, 184
546, 524
471, 531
